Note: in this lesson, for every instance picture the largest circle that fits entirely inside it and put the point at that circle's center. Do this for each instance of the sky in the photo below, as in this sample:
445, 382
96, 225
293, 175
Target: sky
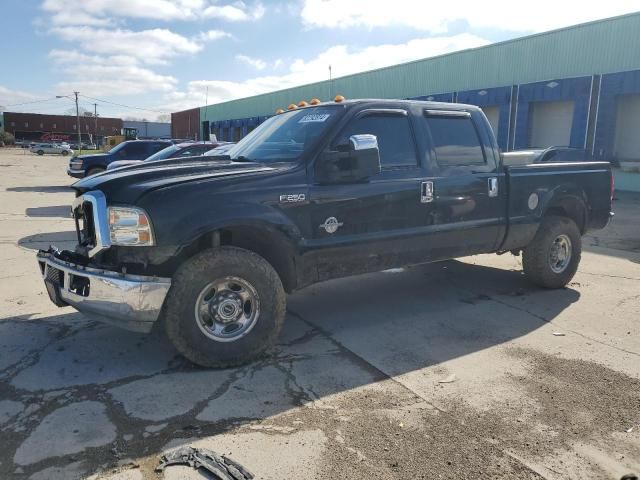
147, 58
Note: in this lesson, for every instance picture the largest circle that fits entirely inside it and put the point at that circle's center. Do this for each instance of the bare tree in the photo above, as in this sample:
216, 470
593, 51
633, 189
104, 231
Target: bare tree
164, 118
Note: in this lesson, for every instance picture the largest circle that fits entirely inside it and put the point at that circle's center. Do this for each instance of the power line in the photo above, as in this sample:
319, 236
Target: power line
124, 106
33, 101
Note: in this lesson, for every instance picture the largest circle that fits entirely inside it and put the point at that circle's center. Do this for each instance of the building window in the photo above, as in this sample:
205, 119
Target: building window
54, 126
86, 127
26, 124
102, 128
42, 125
13, 124
74, 126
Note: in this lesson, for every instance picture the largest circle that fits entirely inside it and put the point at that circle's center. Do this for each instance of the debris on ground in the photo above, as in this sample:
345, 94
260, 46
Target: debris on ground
450, 379
558, 334
220, 466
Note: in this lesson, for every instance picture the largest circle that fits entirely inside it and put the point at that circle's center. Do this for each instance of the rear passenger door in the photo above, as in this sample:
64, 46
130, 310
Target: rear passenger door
469, 198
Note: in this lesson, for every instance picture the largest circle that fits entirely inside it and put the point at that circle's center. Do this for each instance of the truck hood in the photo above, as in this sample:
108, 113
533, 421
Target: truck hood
92, 156
126, 185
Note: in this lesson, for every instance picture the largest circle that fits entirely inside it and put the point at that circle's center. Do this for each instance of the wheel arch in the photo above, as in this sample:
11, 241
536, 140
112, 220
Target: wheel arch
570, 203
263, 239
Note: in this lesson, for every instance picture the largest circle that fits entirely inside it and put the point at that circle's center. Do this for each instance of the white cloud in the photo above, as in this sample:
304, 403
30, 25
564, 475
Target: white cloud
103, 75
344, 61
102, 12
253, 62
9, 96
154, 46
438, 16
238, 12
211, 35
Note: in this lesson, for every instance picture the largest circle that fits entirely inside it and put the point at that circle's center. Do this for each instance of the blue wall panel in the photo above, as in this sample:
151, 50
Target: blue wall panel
492, 97
612, 86
576, 89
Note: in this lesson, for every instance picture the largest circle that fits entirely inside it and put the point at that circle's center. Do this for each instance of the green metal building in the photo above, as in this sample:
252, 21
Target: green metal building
577, 86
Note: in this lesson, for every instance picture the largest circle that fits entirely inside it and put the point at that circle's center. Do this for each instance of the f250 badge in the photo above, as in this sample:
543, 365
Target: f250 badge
293, 198
331, 225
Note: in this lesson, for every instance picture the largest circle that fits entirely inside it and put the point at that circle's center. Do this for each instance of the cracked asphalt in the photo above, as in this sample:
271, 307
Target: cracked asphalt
458, 369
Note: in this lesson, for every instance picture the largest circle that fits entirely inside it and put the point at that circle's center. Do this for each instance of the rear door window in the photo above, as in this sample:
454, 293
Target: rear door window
156, 147
134, 150
455, 140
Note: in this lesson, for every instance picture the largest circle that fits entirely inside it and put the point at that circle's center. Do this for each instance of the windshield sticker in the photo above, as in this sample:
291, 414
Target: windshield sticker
314, 118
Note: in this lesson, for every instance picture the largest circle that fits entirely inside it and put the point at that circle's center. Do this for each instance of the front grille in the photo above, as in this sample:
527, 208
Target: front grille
55, 275
85, 225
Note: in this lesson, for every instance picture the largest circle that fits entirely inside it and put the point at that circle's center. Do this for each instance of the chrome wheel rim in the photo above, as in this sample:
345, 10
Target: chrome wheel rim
227, 309
560, 254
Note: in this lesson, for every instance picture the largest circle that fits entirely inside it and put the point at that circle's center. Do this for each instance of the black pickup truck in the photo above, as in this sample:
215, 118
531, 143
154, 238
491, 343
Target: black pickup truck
208, 248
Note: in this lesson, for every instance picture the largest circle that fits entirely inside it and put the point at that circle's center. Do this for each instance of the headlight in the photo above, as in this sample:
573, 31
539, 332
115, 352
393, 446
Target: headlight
130, 226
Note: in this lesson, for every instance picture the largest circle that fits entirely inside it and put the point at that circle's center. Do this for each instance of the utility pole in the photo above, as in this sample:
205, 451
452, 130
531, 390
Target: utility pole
330, 84
78, 120
95, 119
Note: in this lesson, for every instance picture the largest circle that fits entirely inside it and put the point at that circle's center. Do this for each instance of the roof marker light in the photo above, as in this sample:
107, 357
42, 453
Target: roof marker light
279, 111
338, 99
314, 101
292, 106
302, 103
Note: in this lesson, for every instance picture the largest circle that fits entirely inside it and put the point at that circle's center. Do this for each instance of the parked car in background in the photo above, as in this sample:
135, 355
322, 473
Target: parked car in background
84, 165
220, 151
181, 150
54, 148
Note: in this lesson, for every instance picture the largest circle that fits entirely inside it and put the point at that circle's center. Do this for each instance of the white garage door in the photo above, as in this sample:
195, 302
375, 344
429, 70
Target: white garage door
627, 140
550, 124
493, 115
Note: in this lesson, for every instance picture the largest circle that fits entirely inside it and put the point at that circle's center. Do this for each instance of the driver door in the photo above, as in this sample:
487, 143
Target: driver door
370, 226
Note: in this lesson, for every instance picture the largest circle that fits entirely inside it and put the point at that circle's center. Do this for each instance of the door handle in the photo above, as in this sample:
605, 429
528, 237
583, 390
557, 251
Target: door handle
493, 187
426, 192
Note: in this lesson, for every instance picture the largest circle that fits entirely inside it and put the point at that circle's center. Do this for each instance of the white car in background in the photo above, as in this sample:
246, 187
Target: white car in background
55, 148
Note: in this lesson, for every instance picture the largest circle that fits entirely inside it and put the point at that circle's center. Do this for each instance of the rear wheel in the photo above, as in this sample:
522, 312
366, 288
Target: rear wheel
552, 258
40, 152
65, 153
226, 306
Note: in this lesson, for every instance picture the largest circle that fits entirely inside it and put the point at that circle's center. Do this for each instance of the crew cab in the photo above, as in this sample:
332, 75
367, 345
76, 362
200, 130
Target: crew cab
208, 249
86, 165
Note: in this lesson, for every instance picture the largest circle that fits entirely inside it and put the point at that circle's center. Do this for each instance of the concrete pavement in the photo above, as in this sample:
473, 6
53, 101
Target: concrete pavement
459, 369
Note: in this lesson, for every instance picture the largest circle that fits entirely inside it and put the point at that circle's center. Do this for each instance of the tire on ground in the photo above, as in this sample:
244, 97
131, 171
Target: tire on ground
193, 276
535, 257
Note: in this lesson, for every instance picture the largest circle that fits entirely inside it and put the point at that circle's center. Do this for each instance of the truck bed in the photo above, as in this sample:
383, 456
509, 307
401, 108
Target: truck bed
582, 189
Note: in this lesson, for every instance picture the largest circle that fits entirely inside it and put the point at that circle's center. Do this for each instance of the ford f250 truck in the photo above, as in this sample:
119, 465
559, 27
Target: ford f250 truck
208, 248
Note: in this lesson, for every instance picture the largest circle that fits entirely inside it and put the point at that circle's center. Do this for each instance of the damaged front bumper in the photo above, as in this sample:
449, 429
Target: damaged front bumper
132, 302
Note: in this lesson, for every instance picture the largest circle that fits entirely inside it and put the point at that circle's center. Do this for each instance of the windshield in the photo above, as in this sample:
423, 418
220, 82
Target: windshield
162, 154
285, 137
118, 147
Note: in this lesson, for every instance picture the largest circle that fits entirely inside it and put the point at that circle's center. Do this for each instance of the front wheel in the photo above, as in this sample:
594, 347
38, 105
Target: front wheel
552, 258
40, 152
226, 306
65, 153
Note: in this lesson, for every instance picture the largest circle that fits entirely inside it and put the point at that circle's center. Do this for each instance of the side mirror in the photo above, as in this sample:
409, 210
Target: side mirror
352, 162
